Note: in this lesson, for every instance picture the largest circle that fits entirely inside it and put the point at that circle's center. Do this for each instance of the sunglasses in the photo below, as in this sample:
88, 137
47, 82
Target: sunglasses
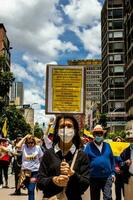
30, 142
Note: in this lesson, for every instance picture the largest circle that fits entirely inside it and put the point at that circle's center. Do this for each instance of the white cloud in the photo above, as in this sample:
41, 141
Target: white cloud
41, 117
34, 27
33, 95
83, 12
20, 73
36, 67
85, 16
91, 39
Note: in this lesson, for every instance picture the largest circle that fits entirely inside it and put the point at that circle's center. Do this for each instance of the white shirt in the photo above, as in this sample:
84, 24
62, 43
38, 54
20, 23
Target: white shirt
31, 157
99, 146
72, 149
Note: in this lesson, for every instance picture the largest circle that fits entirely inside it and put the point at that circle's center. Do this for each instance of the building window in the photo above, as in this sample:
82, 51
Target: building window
116, 47
117, 57
118, 34
117, 13
118, 69
110, 58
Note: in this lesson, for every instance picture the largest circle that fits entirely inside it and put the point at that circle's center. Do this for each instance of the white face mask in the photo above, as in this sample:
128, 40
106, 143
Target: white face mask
66, 135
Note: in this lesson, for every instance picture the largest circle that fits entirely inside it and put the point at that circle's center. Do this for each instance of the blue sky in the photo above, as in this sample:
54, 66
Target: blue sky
49, 31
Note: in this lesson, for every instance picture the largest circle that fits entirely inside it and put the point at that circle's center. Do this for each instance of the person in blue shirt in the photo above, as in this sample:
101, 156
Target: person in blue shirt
102, 165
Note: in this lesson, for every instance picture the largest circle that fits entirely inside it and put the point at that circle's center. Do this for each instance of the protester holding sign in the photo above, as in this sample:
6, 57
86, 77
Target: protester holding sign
64, 170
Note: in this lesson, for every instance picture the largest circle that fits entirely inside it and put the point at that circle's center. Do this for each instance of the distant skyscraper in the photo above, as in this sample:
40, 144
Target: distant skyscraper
17, 93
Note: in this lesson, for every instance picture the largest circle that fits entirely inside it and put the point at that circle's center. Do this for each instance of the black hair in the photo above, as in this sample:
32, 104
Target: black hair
76, 139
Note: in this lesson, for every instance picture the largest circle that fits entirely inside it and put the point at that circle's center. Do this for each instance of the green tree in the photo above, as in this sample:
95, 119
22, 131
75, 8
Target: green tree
103, 119
6, 80
38, 132
16, 122
112, 135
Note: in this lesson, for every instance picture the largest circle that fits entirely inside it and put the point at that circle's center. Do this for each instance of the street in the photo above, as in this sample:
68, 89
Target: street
6, 193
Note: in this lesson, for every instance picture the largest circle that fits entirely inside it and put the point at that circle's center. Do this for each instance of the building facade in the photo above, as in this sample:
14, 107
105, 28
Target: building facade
128, 23
113, 64
5, 55
28, 114
17, 93
92, 88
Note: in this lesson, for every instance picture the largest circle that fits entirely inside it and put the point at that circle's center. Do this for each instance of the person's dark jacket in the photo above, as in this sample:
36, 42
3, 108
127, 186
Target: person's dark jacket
125, 155
50, 167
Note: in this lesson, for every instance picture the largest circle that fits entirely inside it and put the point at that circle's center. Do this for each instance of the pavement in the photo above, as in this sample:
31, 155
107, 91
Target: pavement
5, 193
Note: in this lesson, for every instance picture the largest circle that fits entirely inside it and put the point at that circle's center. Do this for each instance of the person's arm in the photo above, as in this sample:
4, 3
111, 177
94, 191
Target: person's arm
22, 141
5, 149
47, 131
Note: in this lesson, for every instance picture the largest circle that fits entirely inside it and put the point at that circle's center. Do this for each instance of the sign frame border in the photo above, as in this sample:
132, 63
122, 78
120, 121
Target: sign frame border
47, 84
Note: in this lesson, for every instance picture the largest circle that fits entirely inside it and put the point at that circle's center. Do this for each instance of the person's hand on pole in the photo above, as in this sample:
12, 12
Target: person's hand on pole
65, 169
61, 180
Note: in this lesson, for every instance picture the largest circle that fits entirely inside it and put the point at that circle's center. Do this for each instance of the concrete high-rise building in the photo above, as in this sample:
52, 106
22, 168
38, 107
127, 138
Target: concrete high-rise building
128, 22
113, 64
28, 114
4, 56
93, 87
17, 93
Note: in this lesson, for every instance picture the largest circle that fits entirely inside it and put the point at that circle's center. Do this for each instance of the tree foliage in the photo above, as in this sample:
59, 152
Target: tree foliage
37, 130
103, 120
113, 135
16, 122
6, 80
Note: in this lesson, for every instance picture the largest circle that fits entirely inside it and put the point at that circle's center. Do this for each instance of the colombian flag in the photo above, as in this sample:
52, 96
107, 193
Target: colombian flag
118, 147
4, 129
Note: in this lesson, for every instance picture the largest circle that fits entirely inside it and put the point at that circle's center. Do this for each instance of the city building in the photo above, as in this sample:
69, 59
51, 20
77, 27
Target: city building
5, 55
113, 64
92, 88
28, 114
128, 24
17, 94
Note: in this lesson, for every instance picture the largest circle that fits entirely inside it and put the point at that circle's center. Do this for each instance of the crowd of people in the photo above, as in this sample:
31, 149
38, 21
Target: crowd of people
63, 165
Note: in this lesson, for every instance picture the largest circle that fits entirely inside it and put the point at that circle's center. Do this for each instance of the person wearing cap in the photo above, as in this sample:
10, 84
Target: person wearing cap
127, 167
102, 165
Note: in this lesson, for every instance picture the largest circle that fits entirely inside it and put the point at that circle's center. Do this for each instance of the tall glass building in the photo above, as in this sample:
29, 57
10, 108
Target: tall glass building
17, 93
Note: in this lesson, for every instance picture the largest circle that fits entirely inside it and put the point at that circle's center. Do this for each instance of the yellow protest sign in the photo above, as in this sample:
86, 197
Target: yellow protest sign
65, 89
